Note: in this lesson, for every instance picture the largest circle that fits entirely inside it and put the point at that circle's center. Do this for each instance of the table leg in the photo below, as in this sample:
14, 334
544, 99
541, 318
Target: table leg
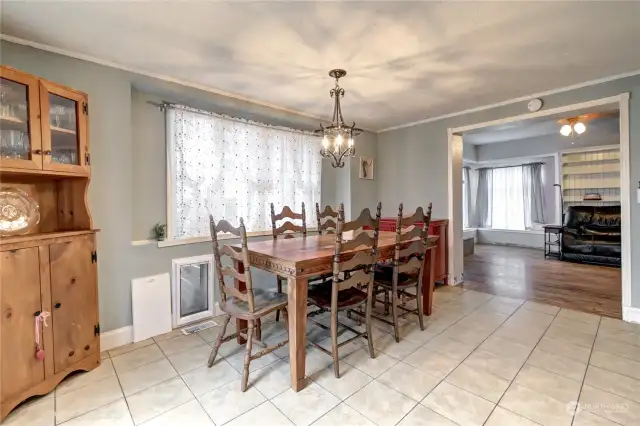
428, 281
242, 324
297, 312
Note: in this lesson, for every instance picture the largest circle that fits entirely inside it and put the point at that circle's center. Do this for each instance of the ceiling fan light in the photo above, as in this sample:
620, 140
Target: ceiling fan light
579, 128
565, 130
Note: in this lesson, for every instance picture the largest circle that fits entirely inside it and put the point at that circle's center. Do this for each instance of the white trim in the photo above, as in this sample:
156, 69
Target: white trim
514, 231
142, 242
622, 101
591, 149
205, 239
116, 338
177, 320
512, 160
515, 100
107, 63
557, 192
631, 314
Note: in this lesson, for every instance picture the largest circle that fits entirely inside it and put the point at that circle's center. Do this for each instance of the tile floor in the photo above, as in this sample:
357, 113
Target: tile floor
481, 360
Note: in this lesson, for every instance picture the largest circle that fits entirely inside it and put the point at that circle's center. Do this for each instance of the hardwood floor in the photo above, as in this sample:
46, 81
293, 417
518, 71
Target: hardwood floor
524, 274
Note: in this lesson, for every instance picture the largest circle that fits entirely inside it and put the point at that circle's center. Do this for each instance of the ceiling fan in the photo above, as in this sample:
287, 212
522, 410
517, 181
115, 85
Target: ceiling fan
576, 125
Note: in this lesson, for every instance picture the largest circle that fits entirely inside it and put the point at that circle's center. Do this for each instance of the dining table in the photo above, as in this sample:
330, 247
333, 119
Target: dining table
303, 258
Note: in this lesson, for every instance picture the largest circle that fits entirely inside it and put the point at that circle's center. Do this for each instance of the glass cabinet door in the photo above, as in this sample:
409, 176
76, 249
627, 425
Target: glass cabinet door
20, 144
64, 142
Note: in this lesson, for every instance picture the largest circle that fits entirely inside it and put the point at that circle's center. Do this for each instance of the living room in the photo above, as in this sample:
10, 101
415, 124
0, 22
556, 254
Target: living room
157, 87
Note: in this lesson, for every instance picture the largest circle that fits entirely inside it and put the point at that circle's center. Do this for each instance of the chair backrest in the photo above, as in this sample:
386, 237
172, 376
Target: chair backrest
326, 220
288, 229
363, 263
411, 244
234, 254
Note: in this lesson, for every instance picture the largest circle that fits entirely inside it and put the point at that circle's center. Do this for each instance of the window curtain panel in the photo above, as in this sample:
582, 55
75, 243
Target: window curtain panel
483, 198
533, 190
231, 169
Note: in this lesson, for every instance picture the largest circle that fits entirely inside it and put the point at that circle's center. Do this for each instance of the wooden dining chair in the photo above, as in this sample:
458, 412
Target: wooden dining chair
287, 230
326, 220
249, 305
349, 292
406, 270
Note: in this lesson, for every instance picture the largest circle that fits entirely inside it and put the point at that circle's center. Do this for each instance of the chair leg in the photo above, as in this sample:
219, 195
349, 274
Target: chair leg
419, 303
334, 342
394, 311
279, 289
223, 330
386, 302
247, 357
367, 319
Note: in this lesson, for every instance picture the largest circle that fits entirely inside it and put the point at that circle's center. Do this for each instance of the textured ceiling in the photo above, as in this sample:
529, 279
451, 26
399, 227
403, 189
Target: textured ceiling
406, 61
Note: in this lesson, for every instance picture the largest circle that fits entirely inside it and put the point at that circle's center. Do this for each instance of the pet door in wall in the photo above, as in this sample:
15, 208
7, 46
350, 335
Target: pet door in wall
192, 289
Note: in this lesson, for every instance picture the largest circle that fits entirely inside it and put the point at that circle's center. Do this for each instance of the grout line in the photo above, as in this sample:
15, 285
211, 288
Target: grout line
585, 372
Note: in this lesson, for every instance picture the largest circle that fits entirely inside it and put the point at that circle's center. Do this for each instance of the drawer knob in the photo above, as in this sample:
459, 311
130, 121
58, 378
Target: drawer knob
36, 313
72, 353
73, 280
57, 305
86, 348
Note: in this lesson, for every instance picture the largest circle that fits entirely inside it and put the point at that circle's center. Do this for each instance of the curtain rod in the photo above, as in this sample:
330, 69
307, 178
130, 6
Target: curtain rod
163, 106
506, 167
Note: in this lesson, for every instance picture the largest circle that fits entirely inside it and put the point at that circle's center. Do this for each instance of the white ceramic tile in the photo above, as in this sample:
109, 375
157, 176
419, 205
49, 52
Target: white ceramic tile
571, 336
503, 417
158, 399
104, 355
114, 414
616, 324
272, 379
520, 334
479, 382
146, 376
574, 325
466, 334
610, 406
306, 406
130, 347
211, 334
409, 381
39, 412
190, 359
136, 358
458, 405
551, 384
347, 349
87, 398
413, 333
431, 362
507, 348
423, 416
585, 418
81, 379
371, 366
536, 406
541, 307
345, 416
265, 414
228, 402
616, 347
557, 364
351, 380
383, 405
499, 365
191, 414
622, 335
616, 364
613, 382
180, 343
204, 379
565, 349
453, 349
398, 350
579, 316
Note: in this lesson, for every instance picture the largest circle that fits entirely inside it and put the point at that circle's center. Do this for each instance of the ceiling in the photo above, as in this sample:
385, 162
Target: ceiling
608, 123
407, 61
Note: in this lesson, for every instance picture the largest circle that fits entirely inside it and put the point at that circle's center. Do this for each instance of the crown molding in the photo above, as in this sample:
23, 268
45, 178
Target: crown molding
515, 100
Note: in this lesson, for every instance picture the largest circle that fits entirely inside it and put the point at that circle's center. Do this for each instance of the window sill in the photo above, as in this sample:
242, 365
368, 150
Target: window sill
514, 231
199, 240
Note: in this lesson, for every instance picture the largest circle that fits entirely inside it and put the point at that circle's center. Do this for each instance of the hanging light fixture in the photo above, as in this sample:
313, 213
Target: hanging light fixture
338, 139
572, 127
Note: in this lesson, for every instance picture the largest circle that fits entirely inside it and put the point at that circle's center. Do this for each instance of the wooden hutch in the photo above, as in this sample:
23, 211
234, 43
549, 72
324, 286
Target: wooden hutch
44, 151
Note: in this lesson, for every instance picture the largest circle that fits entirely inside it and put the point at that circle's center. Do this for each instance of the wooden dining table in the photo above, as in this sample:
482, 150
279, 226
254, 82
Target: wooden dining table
298, 260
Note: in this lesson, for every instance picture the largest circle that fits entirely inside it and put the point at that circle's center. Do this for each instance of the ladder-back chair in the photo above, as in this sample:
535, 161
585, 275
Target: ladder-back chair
326, 220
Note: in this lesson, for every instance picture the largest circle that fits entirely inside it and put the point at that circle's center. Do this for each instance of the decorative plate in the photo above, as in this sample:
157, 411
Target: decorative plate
19, 212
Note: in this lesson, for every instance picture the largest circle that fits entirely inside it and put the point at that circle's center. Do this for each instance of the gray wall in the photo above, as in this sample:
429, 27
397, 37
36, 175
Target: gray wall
416, 158
127, 194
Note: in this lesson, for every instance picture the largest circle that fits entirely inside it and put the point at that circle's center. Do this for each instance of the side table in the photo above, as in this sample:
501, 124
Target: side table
553, 242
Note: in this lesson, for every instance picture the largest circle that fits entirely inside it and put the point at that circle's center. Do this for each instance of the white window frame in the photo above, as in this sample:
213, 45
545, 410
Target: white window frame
176, 264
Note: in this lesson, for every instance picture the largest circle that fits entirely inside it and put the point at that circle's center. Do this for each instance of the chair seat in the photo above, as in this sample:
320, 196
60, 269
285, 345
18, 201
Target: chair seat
384, 277
264, 302
321, 297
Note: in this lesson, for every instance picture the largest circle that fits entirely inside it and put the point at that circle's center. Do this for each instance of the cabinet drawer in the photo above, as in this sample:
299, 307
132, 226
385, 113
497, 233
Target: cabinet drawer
74, 301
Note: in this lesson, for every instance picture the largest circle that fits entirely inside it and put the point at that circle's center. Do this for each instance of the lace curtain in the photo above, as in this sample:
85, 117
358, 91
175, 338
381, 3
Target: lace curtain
231, 168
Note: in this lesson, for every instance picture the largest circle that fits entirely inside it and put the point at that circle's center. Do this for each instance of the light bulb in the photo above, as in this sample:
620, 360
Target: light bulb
565, 130
579, 128
339, 140
350, 142
325, 142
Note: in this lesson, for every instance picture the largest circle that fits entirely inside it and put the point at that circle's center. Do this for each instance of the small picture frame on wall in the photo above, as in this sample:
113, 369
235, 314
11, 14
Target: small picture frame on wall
366, 168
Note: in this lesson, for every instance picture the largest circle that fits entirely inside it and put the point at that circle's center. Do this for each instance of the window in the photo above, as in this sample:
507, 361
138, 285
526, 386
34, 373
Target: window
507, 199
232, 168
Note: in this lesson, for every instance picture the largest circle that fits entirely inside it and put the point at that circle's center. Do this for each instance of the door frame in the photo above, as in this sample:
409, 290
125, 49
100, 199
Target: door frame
620, 101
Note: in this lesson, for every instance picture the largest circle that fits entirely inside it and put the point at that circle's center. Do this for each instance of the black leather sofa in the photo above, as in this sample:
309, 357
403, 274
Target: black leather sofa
592, 235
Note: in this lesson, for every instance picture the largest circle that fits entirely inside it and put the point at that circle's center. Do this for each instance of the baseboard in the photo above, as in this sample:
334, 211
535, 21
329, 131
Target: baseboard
115, 338
631, 314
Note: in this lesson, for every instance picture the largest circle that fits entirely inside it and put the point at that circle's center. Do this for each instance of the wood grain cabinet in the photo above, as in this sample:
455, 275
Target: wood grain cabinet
51, 269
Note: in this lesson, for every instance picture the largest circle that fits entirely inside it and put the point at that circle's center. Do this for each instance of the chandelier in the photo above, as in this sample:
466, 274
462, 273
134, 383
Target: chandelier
337, 138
